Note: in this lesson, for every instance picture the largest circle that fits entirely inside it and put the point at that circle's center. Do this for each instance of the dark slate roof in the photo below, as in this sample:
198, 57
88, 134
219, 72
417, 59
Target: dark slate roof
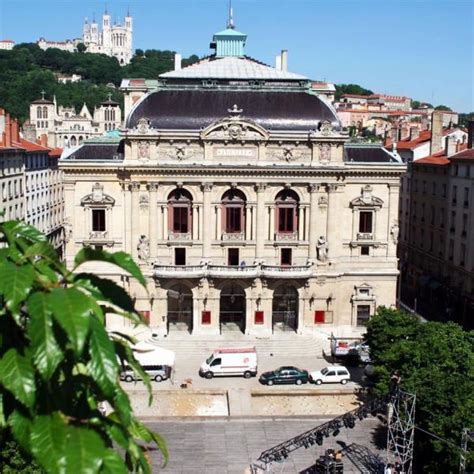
197, 109
94, 151
369, 154
42, 101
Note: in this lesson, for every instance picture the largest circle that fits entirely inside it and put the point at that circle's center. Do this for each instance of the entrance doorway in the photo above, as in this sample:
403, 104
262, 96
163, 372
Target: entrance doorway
232, 308
180, 309
285, 309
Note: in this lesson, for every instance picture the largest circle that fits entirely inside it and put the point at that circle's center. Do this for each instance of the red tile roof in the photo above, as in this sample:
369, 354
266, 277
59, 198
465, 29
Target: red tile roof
30, 146
56, 152
436, 159
467, 154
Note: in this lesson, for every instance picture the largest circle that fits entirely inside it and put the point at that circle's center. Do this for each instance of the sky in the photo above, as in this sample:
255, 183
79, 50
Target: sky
423, 49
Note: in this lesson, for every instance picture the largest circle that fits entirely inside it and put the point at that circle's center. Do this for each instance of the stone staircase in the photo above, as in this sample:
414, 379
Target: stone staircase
291, 345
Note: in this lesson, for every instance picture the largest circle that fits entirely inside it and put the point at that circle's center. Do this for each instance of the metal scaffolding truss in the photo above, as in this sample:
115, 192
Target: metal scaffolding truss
401, 429
279, 453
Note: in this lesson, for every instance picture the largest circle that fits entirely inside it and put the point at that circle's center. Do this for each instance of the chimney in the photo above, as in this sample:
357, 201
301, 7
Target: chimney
470, 134
414, 133
451, 147
394, 134
404, 133
278, 62
8, 131
284, 60
29, 131
177, 62
15, 137
436, 133
43, 141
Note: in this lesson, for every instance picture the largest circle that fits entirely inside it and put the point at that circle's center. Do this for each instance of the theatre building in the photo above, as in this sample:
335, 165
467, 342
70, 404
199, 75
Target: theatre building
234, 187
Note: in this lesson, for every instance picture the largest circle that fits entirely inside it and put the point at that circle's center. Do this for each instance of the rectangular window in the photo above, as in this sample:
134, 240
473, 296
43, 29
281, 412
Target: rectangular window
286, 219
364, 250
444, 190
453, 221
464, 224
454, 196
363, 314
233, 219
180, 219
98, 220
433, 191
451, 250
98, 247
466, 197
365, 222
285, 257
319, 317
179, 256
233, 257
462, 256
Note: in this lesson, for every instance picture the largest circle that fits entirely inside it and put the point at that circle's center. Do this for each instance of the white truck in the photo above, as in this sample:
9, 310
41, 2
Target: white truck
230, 361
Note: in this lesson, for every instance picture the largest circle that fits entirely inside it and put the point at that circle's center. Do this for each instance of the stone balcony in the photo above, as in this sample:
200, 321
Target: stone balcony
97, 235
228, 271
286, 236
365, 236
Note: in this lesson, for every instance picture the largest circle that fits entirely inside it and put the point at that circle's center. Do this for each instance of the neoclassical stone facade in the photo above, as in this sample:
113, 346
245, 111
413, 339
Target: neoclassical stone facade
243, 204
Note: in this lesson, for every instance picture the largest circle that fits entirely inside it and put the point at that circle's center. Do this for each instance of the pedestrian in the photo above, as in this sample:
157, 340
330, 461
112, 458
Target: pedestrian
388, 469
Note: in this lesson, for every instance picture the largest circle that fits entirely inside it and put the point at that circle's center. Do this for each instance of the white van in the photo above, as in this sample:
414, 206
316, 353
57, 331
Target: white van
231, 361
330, 374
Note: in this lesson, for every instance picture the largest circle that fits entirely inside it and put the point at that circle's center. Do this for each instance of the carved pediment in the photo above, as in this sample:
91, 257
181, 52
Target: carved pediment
234, 129
97, 197
366, 199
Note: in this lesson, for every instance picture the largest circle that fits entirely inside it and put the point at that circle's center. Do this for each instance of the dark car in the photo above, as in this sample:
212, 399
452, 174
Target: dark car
285, 375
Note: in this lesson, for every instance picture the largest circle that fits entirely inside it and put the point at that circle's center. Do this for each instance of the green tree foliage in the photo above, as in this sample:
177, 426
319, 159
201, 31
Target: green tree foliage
81, 48
27, 70
350, 89
464, 119
57, 362
436, 361
443, 107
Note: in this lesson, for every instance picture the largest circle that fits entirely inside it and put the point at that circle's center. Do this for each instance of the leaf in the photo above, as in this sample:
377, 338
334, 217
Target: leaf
103, 365
16, 283
3, 421
46, 352
121, 259
85, 450
110, 290
48, 442
113, 463
41, 249
21, 429
161, 443
13, 230
122, 405
72, 308
17, 376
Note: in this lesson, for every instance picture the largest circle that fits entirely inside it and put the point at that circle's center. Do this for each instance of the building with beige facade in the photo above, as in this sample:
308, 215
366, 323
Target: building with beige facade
31, 182
66, 128
436, 250
234, 187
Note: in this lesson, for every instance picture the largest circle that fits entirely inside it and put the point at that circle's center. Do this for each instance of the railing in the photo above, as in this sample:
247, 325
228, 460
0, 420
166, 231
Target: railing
229, 271
283, 236
231, 236
365, 236
179, 236
98, 235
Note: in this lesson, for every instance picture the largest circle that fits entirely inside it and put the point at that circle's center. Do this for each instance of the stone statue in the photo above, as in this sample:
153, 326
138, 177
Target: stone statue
394, 231
322, 248
143, 248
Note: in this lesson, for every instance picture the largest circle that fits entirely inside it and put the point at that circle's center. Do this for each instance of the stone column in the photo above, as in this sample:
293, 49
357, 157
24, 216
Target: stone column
207, 220
313, 219
393, 226
218, 229
153, 219
260, 228
195, 230
134, 214
164, 222
271, 219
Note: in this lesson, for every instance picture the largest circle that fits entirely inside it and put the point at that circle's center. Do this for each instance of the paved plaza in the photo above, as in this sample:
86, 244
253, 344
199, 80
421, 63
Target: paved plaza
229, 445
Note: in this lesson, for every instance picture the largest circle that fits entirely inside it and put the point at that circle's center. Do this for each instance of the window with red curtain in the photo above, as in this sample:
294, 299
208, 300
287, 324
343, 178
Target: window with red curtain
286, 211
365, 222
180, 211
233, 207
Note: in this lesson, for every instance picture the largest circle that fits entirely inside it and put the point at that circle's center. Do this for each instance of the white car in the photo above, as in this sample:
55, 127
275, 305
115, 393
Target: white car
330, 374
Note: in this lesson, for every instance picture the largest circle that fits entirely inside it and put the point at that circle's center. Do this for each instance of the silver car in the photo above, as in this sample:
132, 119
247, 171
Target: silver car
158, 373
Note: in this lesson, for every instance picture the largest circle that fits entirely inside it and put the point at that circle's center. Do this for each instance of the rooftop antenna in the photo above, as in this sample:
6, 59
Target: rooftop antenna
106, 12
230, 22
128, 10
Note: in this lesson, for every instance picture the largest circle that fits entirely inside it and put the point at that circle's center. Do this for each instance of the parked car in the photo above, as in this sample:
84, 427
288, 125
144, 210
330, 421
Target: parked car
285, 375
330, 374
158, 373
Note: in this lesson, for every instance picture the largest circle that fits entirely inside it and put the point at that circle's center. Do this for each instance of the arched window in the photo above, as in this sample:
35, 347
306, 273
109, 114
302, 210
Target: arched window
180, 211
233, 211
80, 140
112, 115
45, 112
286, 211
73, 141
39, 112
